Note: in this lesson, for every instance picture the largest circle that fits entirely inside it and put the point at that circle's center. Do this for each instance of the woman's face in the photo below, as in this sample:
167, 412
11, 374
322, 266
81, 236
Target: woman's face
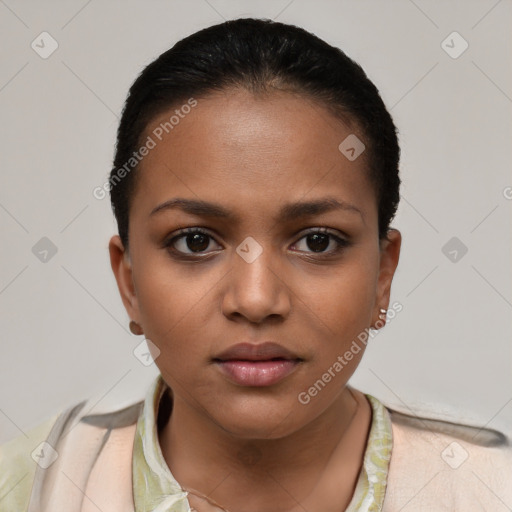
250, 166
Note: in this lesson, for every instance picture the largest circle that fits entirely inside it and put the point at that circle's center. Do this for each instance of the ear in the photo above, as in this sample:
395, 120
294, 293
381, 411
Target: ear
389, 256
122, 268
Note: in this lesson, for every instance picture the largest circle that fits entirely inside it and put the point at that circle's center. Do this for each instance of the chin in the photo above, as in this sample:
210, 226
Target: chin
258, 419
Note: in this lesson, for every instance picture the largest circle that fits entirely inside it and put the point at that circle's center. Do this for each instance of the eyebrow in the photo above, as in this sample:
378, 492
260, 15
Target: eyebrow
286, 213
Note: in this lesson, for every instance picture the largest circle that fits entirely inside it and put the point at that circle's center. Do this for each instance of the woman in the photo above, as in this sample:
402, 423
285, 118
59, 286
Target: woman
254, 183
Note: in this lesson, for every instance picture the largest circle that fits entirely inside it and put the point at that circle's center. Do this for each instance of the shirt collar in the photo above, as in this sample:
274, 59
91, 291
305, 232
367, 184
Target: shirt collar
156, 490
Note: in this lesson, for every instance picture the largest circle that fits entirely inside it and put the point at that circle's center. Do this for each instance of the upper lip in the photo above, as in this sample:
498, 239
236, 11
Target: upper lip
255, 352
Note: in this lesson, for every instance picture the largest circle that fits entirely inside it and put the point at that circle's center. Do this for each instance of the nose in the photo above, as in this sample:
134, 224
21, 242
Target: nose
257, 288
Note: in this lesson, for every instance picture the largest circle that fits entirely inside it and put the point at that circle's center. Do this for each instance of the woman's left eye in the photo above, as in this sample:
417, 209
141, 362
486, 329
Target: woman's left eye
319, 240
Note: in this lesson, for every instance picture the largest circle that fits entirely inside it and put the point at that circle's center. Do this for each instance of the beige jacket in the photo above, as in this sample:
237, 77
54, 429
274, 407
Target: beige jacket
435, 466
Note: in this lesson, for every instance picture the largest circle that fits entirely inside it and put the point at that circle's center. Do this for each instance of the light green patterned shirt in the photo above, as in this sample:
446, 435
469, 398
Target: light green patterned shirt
95, 453
156, 490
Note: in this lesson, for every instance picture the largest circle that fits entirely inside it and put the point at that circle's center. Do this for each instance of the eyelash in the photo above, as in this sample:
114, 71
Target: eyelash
169, 242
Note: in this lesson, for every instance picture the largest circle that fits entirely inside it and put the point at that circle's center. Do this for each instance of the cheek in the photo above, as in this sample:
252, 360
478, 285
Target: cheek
172, 306
345, 300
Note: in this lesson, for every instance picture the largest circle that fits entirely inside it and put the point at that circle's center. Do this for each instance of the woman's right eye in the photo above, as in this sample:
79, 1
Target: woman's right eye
190, 241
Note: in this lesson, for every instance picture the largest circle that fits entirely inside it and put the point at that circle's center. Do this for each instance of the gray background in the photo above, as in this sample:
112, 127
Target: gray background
64, 329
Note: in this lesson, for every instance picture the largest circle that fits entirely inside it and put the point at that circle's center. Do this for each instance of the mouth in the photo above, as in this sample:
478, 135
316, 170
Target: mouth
258, 365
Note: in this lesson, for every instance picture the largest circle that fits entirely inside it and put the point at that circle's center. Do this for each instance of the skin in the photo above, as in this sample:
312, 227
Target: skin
253, 449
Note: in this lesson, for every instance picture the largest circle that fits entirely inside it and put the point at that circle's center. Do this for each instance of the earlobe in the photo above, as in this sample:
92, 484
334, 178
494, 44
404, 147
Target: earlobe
122, 269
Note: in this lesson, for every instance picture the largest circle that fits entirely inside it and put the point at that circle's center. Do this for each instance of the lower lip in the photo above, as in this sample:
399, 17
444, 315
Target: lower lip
257, 373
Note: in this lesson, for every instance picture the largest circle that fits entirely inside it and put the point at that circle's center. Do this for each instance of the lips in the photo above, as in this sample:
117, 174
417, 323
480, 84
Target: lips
263, 364
260, 352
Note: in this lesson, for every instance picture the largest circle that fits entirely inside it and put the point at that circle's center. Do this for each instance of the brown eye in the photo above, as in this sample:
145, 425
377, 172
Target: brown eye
319, 241
190, 241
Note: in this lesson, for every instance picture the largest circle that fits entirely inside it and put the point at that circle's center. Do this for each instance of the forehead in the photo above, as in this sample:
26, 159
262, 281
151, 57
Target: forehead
251, 152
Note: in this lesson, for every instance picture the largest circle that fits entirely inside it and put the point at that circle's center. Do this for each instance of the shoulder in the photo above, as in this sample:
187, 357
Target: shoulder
18, 465
447, 466
480, 436
27, 460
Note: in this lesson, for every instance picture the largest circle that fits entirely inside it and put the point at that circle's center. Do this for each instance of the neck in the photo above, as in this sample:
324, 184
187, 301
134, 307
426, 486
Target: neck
269, 474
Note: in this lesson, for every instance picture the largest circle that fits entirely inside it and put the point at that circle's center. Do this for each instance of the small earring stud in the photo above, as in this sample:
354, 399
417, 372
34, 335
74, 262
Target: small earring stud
383, 313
